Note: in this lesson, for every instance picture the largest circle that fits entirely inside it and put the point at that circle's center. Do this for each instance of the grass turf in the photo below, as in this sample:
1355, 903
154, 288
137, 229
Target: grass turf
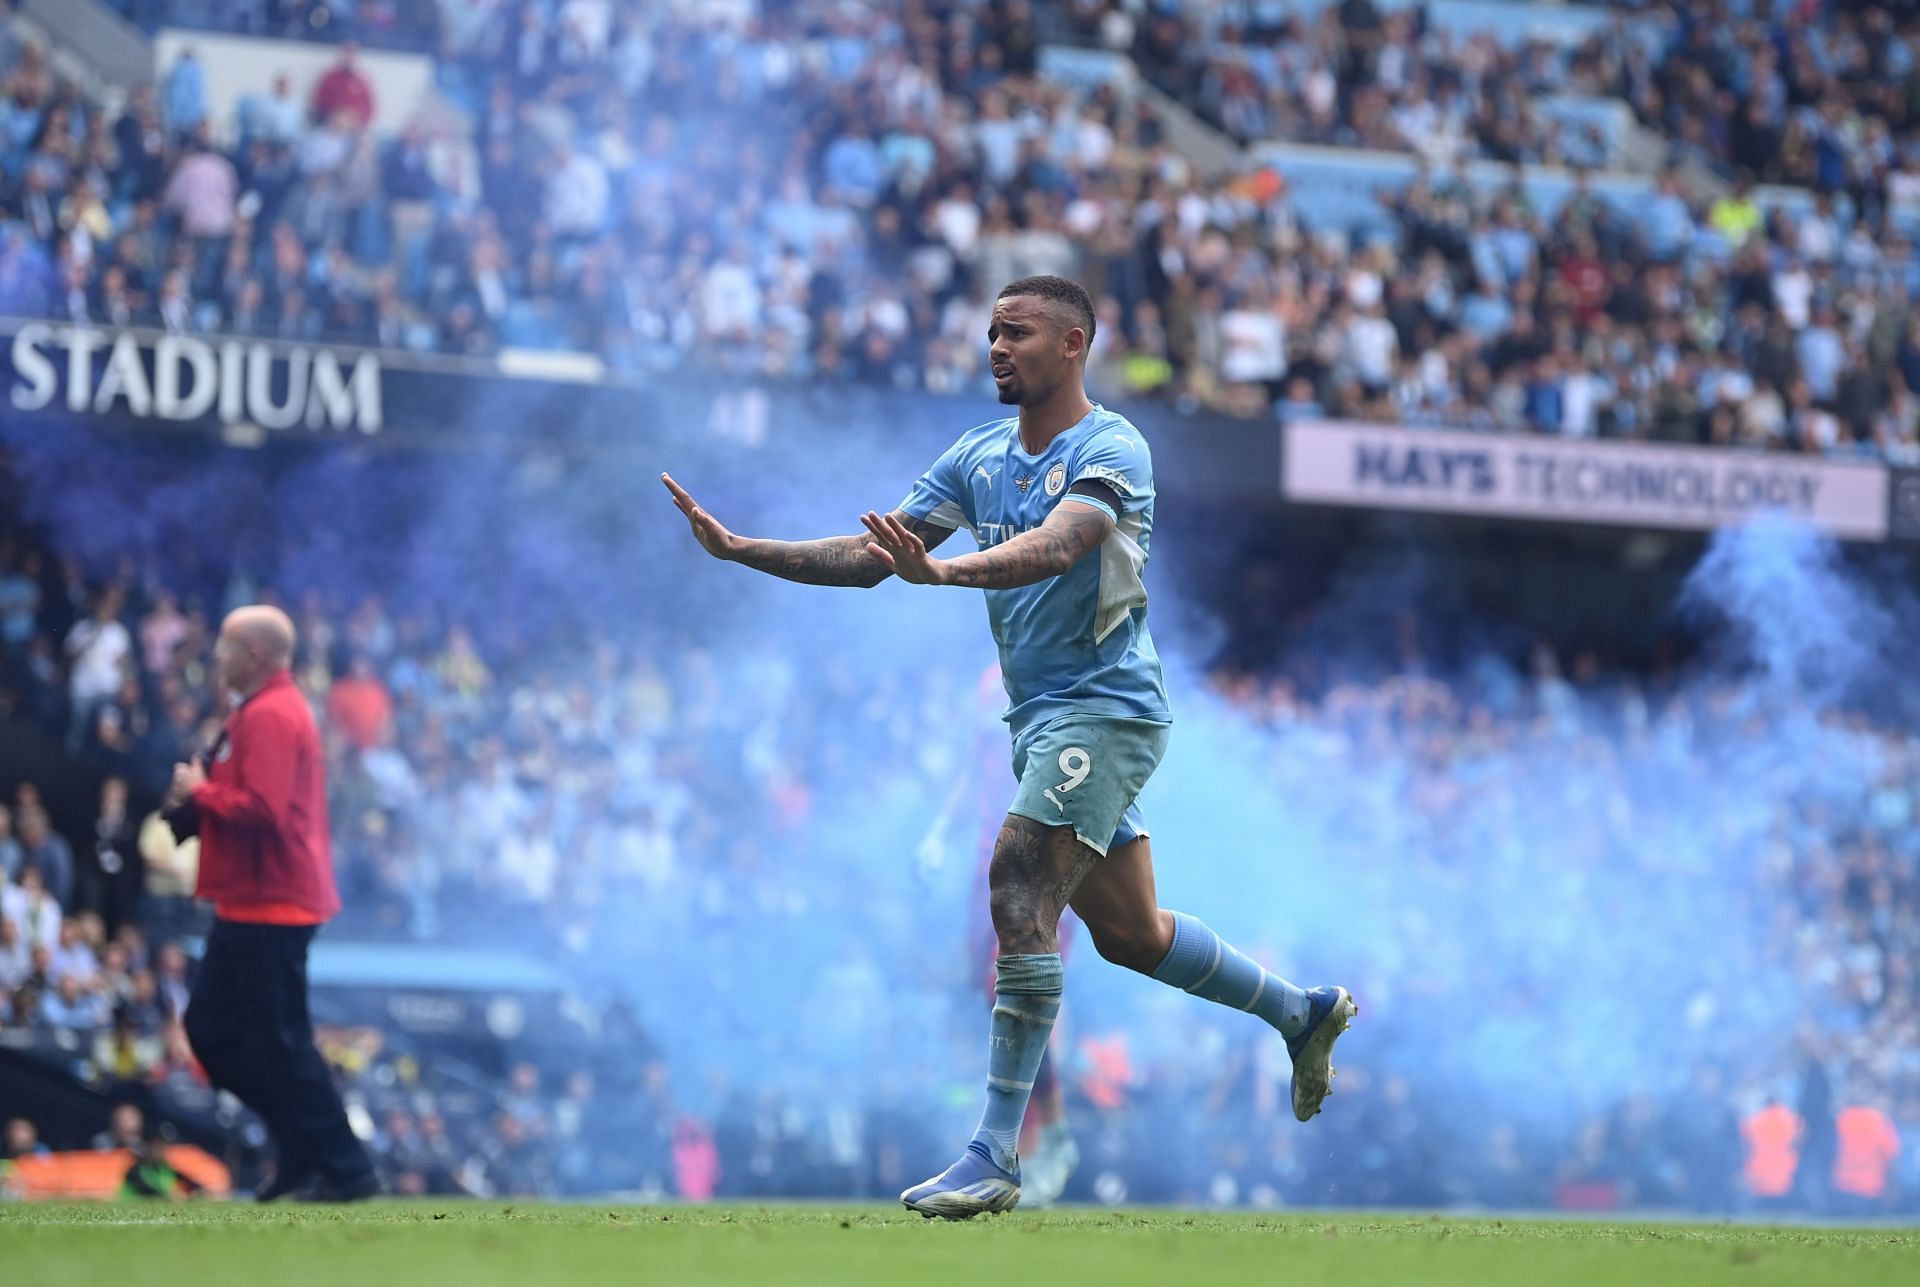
456, 1244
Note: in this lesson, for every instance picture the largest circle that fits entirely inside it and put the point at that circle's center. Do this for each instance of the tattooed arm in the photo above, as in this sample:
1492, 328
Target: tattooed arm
834, 560
1069, 533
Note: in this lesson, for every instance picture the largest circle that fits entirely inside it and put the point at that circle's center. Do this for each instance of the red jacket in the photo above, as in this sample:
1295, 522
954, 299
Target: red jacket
263, 814
343, 88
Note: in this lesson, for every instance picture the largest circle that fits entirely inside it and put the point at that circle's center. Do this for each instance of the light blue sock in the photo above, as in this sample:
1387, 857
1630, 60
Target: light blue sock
1026, 1000
1203, 963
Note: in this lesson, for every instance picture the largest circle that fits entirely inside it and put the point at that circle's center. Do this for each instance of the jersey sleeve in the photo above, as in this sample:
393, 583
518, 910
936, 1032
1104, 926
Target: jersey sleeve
1118, 459
938, 497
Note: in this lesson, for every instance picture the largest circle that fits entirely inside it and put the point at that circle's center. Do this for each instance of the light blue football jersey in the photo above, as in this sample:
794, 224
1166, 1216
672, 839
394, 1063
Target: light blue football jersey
1076, 642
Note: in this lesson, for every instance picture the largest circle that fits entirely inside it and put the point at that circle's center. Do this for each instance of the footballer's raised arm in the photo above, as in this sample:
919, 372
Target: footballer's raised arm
832, 560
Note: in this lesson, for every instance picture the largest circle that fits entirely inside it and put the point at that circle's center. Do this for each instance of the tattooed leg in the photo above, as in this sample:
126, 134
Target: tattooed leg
1034, 871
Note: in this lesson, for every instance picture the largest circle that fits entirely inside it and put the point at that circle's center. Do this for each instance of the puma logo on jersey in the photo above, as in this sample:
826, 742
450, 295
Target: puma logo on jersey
985, 473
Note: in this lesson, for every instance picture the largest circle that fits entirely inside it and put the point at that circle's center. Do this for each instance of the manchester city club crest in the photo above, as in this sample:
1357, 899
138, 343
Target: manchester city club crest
1057, 480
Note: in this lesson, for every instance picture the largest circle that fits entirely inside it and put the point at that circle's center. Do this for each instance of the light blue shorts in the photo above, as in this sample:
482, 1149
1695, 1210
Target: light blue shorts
1085, 771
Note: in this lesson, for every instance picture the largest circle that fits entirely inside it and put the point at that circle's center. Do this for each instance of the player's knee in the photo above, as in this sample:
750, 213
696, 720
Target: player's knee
1017, 920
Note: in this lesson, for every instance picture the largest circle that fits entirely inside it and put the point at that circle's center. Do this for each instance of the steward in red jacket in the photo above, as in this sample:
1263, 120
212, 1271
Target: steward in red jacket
259, 801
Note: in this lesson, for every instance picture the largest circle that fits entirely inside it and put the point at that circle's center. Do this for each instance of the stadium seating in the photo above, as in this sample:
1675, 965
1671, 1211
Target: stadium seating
833, 193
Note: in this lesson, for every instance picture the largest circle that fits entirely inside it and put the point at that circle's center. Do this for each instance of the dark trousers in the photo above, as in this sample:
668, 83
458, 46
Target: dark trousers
247, 1021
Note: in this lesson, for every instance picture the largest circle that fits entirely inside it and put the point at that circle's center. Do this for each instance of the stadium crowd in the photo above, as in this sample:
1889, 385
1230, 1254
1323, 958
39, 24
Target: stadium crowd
1824, 97
603, 803
834, 192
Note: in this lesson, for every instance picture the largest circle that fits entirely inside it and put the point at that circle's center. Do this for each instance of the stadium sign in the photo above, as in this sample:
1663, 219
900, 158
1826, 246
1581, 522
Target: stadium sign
1630, 484
165, 376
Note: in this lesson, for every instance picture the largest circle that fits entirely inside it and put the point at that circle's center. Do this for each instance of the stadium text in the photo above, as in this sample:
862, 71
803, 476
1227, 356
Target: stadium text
1588, 481
1585, 480
183, 377
1579, 481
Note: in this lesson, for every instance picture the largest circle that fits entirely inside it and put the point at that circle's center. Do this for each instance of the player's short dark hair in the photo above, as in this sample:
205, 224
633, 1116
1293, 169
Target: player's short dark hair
1070, 296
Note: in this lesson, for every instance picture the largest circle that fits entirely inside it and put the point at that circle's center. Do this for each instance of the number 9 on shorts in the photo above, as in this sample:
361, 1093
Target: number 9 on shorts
1084, 771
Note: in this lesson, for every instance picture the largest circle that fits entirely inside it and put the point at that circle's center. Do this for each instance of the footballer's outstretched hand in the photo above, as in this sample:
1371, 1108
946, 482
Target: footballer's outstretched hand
708, 530
902, 550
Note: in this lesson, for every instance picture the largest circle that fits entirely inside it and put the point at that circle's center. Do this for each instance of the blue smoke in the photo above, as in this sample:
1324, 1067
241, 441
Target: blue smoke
1790, 618
1551, 898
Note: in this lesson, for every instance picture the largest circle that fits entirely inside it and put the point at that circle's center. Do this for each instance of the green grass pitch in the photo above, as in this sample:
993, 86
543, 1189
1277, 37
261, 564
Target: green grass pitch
457, 1244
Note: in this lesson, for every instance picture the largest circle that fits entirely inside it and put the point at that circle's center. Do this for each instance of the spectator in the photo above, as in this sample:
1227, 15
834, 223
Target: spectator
73, 955
1868, 1147
274, 118
171, 978
16, 961
34, 912
406, 178
140, 144
120, 729
110, 879
523, 1100
46, 852
1253, 340
186, 95
202, 193
162, 631
19, 598
1773, 1135
359, 706
1372, 348
100, 657
577, 194
12, 856
343, 89
176, 303
508, 1162
22, 1140
151, 1173
126, 1127
142, 1006
124, 1053
460, 666
529, 862
71, 1006
852, 169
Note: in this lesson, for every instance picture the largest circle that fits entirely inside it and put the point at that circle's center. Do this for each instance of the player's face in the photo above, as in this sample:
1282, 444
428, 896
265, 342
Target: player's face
1028, 350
